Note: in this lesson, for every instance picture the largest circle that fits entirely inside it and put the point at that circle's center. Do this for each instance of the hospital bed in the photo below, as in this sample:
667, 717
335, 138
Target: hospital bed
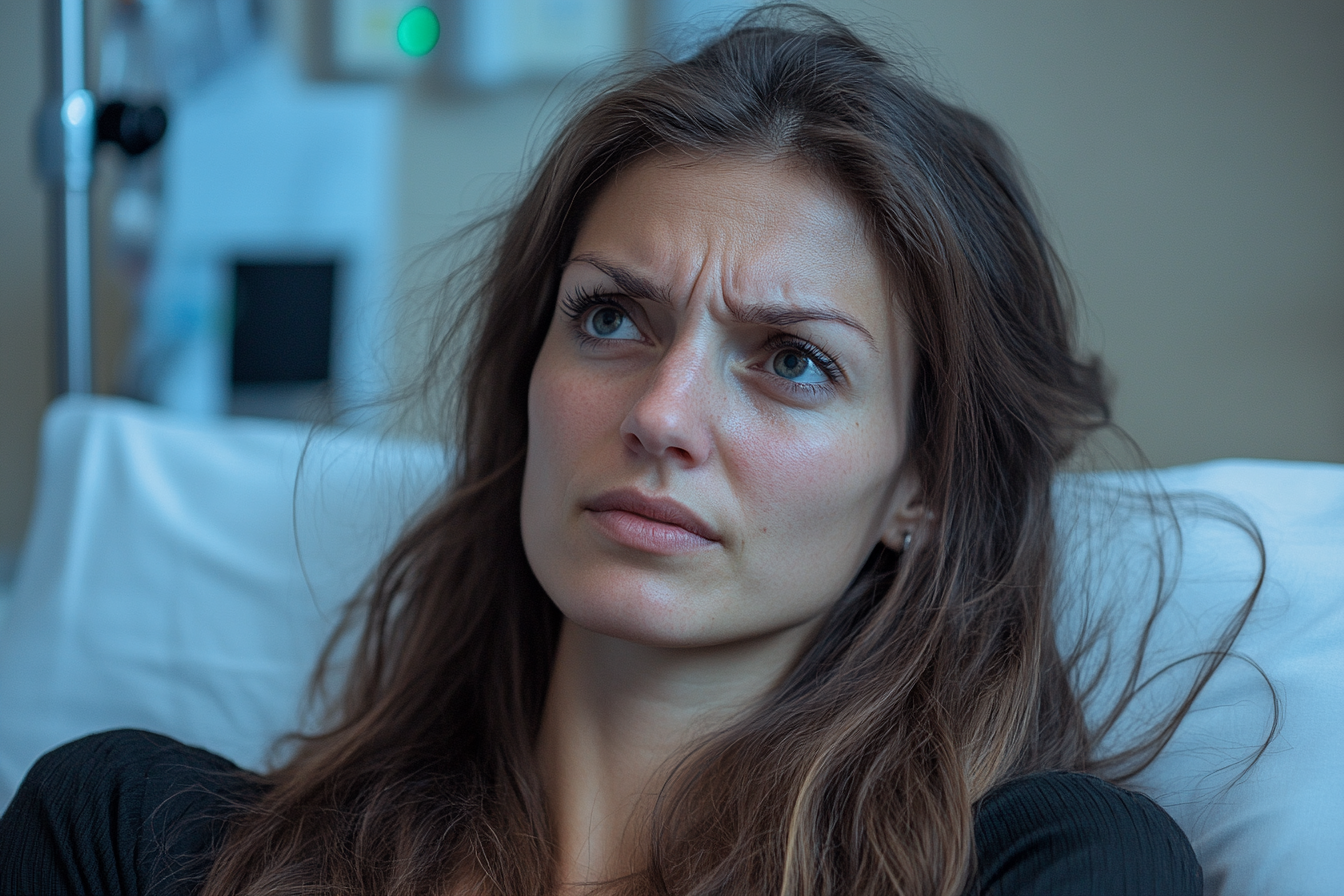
181, 575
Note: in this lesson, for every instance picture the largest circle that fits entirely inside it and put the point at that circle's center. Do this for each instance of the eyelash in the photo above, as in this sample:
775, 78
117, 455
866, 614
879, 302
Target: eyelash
580, 300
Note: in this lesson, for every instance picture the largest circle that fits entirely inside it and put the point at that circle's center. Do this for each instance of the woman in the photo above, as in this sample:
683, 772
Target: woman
767, 381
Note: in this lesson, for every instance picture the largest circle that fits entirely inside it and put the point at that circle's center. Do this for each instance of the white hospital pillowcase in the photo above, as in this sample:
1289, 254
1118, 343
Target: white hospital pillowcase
182, 575
1280, 829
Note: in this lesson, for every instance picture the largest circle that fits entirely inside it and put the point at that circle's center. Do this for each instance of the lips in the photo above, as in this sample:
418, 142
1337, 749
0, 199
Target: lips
647, 523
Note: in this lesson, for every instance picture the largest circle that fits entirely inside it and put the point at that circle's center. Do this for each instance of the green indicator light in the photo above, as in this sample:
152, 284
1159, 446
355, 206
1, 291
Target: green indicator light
418, 31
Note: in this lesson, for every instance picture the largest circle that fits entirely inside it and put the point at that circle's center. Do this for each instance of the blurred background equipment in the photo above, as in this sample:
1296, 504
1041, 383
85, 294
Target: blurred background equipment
380, 38
65, 130
136, 129
279, 157
265, 164
470, 45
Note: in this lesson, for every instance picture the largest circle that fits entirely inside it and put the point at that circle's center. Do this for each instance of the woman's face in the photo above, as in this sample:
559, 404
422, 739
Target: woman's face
717, 415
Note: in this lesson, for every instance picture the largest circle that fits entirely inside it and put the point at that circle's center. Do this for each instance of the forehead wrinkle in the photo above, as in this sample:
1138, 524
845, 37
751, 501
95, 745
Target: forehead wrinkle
769, 314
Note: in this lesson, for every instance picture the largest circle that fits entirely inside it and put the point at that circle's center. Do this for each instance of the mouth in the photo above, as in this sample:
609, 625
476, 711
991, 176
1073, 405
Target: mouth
652, 524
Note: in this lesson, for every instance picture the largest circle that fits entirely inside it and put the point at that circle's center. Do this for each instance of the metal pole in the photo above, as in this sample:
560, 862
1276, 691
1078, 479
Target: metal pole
66, 131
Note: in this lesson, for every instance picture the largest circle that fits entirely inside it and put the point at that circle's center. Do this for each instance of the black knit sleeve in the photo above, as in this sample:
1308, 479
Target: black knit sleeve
123, 813
1056, 833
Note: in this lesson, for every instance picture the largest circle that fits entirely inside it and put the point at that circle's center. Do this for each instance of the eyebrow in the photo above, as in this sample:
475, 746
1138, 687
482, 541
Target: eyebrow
628, 283
773, 315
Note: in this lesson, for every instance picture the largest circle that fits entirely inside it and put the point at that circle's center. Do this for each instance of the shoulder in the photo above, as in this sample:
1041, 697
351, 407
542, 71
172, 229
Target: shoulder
1061, 832
122, 812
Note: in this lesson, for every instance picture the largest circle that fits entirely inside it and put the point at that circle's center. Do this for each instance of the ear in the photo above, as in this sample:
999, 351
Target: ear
907, 515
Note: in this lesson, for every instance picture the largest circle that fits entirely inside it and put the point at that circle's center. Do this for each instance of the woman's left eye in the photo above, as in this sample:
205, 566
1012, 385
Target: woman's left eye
803, 367
797, 367
609, 322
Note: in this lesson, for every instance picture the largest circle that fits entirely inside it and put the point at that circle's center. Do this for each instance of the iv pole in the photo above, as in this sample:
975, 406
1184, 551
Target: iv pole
67, 126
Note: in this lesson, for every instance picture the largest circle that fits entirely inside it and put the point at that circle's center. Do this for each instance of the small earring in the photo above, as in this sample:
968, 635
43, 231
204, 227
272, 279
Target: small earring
905, 543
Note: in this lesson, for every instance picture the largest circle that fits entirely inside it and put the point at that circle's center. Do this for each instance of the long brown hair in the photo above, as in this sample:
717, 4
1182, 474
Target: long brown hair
933, 679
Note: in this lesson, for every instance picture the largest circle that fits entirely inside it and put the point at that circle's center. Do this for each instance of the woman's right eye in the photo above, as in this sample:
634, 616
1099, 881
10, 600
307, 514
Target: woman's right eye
609, 322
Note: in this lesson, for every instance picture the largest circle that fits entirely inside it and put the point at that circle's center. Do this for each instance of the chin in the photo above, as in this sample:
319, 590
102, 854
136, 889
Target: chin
618, 599
636, 610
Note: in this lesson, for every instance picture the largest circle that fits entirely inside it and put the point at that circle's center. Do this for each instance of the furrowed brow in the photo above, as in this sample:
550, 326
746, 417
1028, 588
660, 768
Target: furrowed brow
787, 315
626, 281
772, 315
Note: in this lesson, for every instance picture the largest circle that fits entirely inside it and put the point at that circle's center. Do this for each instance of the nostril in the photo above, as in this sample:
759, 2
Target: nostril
632, 441
681, 454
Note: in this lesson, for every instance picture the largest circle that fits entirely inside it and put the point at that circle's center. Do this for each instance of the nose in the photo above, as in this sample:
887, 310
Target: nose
671, 418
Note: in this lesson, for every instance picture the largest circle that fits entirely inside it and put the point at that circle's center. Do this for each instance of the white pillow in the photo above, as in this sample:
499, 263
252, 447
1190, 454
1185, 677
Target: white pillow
1280, 828
163, 586
181, 574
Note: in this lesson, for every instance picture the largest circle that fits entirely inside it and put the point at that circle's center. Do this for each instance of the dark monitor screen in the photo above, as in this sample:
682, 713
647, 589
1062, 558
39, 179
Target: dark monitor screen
282, 320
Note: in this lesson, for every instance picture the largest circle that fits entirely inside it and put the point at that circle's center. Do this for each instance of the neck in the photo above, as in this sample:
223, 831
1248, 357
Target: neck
617, 716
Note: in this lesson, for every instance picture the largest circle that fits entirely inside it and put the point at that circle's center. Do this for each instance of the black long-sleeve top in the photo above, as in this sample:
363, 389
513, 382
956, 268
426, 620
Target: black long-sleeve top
127, 813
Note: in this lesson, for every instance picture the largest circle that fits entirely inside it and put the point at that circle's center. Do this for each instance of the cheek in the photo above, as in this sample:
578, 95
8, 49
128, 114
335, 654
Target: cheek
569, 417
818, 491
567, 412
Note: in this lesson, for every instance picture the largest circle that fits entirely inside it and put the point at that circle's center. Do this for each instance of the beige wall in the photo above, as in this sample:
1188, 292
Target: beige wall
23, 310
1189, 155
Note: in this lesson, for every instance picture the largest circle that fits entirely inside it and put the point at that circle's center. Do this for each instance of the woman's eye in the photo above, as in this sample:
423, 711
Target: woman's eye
797, 367
610, 322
